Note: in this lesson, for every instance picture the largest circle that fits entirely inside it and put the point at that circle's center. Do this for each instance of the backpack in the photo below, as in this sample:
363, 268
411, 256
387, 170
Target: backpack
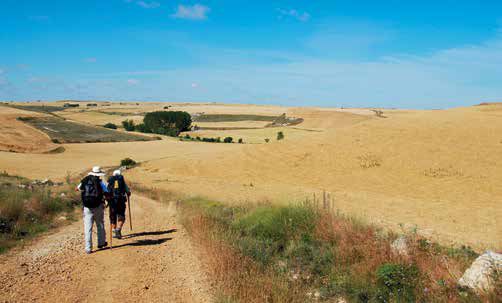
92, 193
116, 186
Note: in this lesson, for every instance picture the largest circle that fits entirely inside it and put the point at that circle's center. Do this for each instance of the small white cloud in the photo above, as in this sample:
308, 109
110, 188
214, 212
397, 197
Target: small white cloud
91, 60
195, 85
145, 4
132, 81
293, 13
191, 12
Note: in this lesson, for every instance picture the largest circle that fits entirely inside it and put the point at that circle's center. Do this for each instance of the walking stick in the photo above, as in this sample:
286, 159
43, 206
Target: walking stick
111, 236
129, 209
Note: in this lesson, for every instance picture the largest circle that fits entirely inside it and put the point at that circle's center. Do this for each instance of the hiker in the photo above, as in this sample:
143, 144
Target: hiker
93, 190
118, 195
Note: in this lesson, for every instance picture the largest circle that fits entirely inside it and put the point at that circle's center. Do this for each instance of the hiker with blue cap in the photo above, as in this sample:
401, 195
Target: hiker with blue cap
119, 193
93, 190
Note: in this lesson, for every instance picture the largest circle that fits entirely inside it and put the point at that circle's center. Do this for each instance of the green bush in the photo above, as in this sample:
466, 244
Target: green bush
128, 125
280, 135
168, 122
397, 282
110, 125
142, 128
267, 140
240, 141
128, 162
228, 139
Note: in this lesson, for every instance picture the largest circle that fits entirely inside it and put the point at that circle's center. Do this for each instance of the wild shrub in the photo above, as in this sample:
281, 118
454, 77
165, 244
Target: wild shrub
280, 136
397, 282
241, 141
218, 140
110, 125
128, 162
267, 140
228, 139
128, 125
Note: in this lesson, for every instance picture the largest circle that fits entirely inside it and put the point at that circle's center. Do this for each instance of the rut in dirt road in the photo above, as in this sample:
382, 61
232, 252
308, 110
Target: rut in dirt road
153, 263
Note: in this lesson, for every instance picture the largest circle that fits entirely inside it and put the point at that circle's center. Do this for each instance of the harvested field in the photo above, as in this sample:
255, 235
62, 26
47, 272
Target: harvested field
232, 118
433, 171
63, 131
39, 108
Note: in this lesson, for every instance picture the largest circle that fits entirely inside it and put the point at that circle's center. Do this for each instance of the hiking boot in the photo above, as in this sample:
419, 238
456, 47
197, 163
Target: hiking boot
103, 246
119, 234
115, 233
88, 252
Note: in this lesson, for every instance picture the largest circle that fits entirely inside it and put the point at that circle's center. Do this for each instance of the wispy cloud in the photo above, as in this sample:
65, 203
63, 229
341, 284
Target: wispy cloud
132, 81
293, 13
191, 12
91, 60
145, 4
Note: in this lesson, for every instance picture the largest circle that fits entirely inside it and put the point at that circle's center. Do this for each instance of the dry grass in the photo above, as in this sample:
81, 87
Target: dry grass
340, 258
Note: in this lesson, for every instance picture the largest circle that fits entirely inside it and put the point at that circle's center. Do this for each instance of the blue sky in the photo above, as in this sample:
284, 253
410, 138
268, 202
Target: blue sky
407, 54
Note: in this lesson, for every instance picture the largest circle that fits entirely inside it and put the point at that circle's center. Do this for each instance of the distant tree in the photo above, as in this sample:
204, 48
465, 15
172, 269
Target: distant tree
128, 162
110, 125
142, 128
128, 125
228, 139
267, 140
280, 135
169, 123
240, 140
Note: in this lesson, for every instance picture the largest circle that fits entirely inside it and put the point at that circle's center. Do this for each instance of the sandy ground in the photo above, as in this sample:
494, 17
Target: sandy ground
437, 171
154, 263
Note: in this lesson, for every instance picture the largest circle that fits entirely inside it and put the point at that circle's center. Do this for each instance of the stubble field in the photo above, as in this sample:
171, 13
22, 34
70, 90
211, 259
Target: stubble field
436, 171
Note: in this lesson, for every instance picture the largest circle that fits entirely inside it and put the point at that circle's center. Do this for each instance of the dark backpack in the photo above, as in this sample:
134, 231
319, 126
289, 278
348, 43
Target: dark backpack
92, 193
116, 186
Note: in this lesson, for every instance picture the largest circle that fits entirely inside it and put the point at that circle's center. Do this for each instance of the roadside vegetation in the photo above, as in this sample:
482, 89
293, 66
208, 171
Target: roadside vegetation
62, 131
301, 253
110, 126
187, 137
28, 208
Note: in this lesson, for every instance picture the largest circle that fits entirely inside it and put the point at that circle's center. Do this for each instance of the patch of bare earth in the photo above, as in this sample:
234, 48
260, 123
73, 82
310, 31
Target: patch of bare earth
155, 262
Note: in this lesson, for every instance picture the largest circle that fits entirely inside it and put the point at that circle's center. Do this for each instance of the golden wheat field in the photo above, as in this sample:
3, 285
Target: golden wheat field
436, 171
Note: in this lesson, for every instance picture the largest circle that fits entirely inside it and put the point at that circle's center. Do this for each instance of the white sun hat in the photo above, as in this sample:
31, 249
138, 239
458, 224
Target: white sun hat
96, 171
117, 172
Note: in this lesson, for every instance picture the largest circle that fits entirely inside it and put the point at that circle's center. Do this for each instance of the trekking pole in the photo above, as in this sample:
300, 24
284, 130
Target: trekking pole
111, 236
129, 209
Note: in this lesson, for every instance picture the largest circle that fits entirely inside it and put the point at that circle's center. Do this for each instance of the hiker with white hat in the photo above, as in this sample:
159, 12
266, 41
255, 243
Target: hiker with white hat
93, 190
118, 194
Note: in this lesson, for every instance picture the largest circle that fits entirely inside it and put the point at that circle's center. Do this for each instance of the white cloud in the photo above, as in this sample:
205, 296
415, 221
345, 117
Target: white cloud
91, 60
194, 85
293, 13
132, 82
152, 4
145, 4
192, 12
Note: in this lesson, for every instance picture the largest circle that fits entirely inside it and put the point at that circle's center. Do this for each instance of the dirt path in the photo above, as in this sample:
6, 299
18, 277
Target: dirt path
154, 263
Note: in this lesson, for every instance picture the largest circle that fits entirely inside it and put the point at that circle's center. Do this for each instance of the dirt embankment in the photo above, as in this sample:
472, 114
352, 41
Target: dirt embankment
156, 262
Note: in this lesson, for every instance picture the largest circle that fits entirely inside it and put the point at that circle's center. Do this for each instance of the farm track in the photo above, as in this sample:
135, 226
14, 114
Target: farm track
154, 263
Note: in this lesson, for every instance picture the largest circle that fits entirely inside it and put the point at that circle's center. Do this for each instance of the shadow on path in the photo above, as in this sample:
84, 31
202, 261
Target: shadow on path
145, 242
149, 233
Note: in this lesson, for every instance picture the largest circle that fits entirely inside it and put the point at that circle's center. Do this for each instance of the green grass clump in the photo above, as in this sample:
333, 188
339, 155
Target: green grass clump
26, 210
397, 282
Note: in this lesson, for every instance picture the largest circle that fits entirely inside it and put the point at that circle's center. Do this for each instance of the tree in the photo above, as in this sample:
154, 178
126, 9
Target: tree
110, 125
168, 122
228, 139
128, 125
280, 135
240, 140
